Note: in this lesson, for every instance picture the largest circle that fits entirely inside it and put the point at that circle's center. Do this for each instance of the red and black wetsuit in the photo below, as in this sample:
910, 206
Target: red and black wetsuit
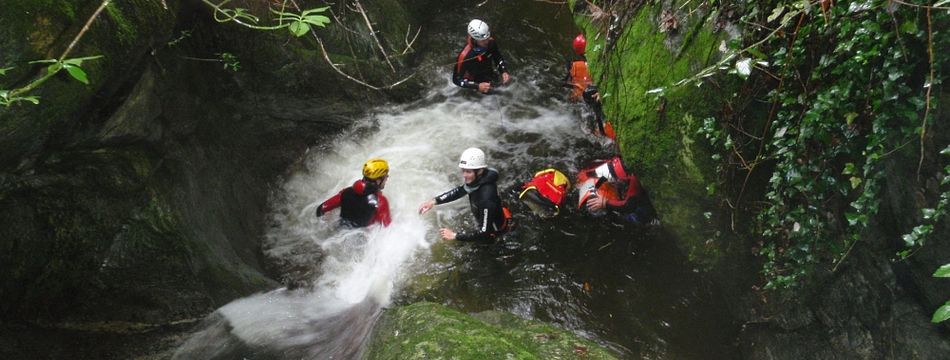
476, 64
360, 205
636, 205
486, 206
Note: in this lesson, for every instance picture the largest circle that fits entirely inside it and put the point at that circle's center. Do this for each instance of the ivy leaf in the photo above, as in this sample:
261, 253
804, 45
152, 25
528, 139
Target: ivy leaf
776, 13
945, 151
943, 271
299, 28
855, 182
929, 213
848, 169
77, 73
943, 313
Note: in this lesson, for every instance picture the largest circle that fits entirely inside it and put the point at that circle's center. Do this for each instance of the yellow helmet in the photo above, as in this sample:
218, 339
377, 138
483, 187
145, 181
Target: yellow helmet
375, 168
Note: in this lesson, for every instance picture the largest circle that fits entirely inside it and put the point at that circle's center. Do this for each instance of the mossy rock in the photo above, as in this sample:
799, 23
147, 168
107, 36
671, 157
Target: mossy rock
657, 130
433, 331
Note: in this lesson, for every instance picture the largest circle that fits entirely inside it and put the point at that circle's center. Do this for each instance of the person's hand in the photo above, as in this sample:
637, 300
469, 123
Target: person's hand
484, 87
597, 96
426, 206
505, 77
319, 210
595, 203
447, 234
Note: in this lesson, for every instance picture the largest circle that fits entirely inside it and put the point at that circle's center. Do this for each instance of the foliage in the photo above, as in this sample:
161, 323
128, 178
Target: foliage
943, 312
72, 66
297, 24
230, 61
847, 92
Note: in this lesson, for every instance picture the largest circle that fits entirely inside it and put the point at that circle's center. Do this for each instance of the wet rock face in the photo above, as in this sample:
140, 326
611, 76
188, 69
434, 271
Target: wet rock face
860, 314
428, 331
141, 197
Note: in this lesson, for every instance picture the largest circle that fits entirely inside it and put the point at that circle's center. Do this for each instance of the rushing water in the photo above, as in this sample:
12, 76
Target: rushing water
625, 287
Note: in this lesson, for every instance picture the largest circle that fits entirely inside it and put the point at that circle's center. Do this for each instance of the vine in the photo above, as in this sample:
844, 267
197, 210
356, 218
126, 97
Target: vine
851, 86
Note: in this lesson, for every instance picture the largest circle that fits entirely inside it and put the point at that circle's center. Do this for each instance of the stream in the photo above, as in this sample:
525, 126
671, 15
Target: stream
627, 288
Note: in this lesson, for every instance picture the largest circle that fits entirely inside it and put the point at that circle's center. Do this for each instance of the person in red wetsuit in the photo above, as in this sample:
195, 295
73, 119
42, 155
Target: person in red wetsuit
363, 203
635, 206
476, 63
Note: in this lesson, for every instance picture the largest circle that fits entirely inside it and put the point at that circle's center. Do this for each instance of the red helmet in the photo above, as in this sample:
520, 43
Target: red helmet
580, 44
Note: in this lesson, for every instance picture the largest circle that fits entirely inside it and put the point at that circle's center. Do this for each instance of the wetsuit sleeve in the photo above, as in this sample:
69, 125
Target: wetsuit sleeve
458, 71
330, 204
451, 195
382, 215
498, 58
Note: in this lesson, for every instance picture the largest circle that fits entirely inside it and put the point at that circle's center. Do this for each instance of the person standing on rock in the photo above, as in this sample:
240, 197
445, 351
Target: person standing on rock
491, 217
362, 204
475, 67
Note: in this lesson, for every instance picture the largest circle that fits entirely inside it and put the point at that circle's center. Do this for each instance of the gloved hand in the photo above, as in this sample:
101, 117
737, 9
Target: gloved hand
320, 210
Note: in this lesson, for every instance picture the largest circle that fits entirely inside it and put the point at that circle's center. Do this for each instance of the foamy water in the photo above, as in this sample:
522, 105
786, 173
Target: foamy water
355, 272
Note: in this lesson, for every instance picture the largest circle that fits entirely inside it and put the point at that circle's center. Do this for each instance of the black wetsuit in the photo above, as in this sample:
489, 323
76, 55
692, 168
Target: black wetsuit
476, 64
486, 206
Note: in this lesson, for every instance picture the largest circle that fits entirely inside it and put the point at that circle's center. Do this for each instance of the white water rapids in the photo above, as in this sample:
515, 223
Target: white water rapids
359, 270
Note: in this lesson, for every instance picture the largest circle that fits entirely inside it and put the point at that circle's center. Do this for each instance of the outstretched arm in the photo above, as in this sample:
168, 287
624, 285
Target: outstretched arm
330, 204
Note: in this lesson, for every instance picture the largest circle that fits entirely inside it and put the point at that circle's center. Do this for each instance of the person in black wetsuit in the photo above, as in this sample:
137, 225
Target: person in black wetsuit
476, 63
492, 219
363, 203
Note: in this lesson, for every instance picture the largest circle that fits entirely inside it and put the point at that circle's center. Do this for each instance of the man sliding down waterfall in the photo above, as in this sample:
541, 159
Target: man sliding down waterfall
493, 220
363, 203
475, 66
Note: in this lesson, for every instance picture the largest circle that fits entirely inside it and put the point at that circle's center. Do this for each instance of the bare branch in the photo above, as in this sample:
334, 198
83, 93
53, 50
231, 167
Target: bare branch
84, 29
373, 33
409, 43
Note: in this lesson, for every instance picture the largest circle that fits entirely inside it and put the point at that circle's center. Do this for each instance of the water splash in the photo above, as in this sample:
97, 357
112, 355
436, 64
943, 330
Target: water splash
348, 275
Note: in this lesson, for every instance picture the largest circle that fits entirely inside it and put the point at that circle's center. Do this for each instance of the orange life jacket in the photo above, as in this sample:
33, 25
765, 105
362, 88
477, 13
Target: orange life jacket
580, 78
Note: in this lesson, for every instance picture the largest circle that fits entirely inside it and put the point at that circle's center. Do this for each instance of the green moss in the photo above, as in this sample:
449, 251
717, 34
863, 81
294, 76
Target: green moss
433, 331
125, 31
657, 130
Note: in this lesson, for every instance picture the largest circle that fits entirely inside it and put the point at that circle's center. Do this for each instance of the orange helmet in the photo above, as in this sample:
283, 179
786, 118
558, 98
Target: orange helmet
580, 44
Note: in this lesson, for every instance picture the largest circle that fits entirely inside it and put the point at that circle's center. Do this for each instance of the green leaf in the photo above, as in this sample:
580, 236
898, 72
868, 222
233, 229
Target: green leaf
941, 3
78, 74
46, 61
855, 182
3, 71
33, 99
928, 213
776, 13
848, 169
943, 271
942, 314
312, 11
318, 20
78, 61
299, 28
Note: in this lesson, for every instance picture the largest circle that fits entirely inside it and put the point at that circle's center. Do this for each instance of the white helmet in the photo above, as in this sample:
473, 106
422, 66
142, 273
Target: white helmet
478, 29
472, 158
